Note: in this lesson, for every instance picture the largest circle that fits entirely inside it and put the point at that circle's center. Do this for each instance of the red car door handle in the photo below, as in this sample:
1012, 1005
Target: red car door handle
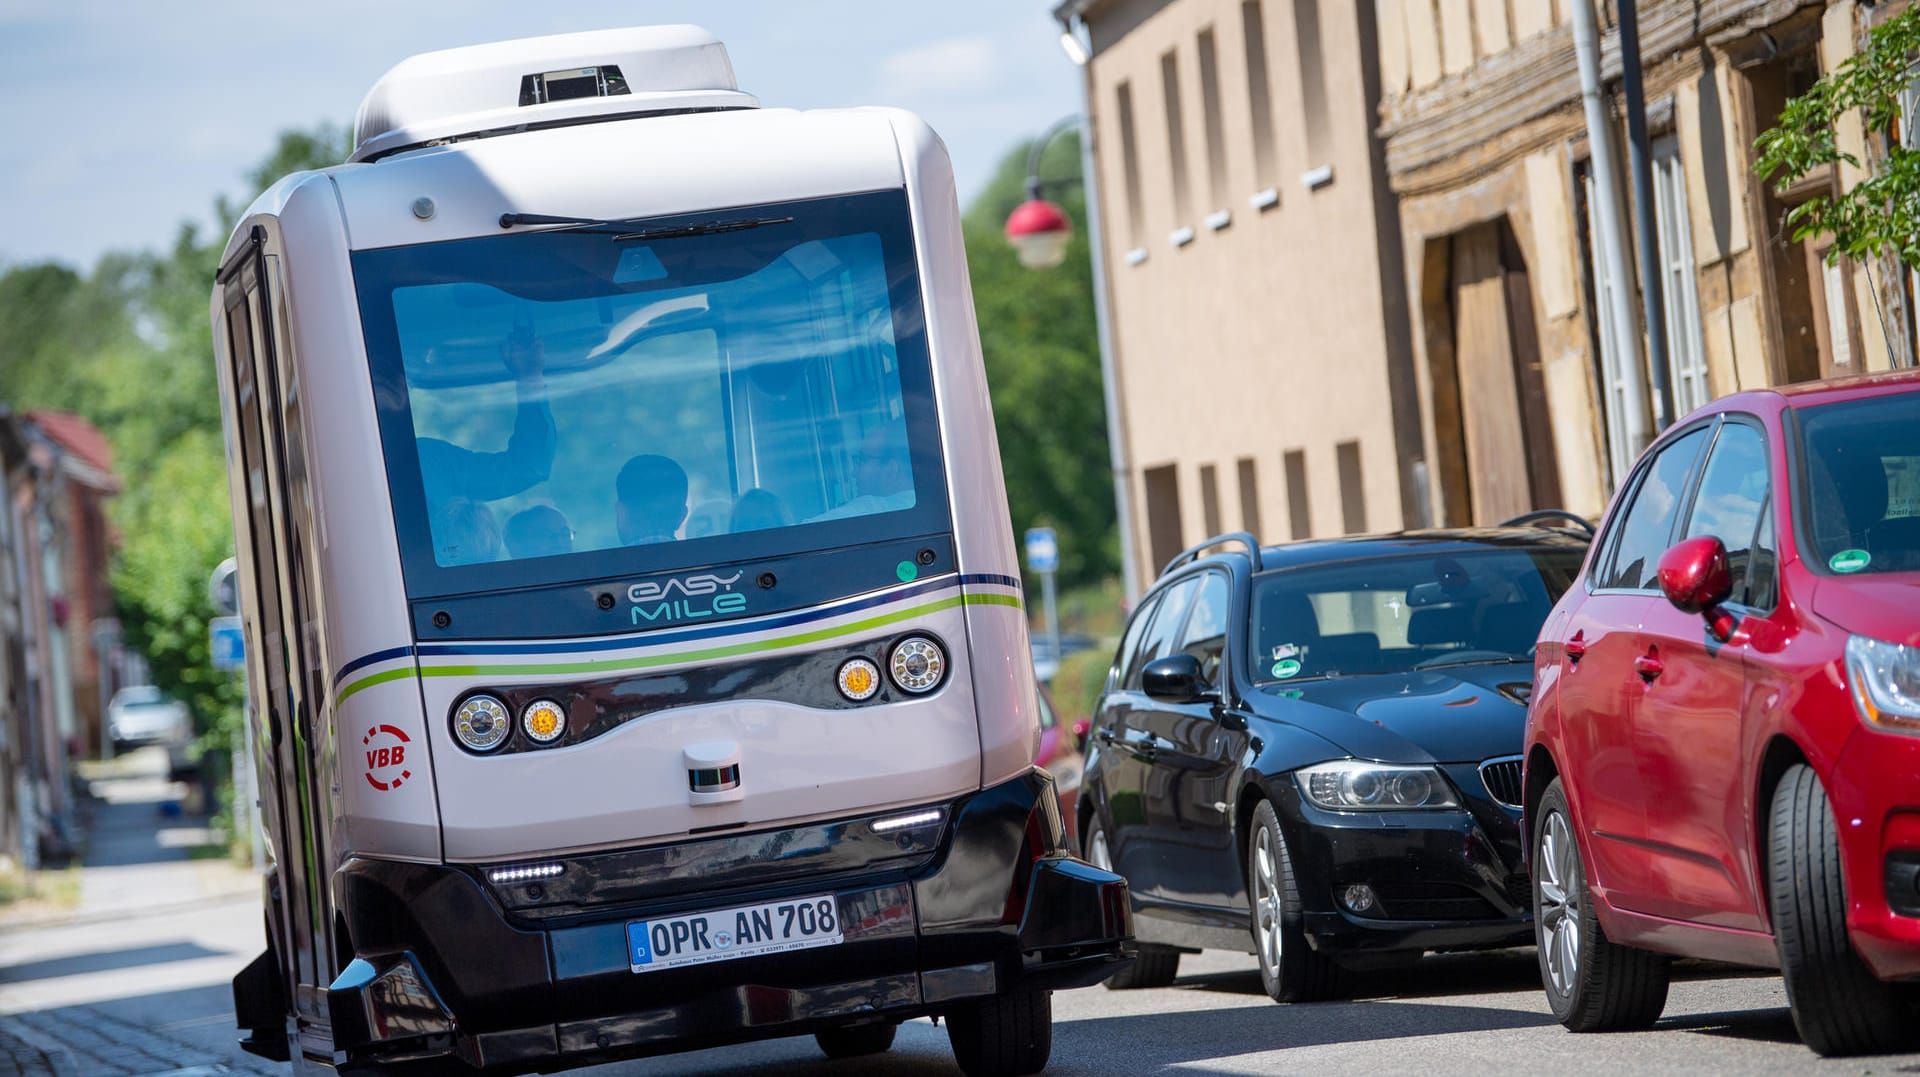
1576, 648
1648, 667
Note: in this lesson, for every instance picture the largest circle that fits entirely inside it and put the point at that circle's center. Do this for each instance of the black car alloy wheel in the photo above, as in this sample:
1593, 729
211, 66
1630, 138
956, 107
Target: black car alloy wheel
1290, 970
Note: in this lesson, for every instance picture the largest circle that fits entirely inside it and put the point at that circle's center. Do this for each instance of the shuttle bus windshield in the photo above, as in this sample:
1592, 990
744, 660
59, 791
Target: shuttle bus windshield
598, 401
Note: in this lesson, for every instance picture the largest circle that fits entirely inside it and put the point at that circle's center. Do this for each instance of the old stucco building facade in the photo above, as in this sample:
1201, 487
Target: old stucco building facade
1350, 252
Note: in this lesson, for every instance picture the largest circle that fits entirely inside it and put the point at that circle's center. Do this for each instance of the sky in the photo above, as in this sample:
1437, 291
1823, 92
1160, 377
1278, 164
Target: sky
121, 119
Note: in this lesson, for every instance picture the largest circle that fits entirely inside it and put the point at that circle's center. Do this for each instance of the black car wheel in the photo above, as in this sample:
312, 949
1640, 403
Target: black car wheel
1290, 970
1593, 985
1004, 1036
1838, 1005
1156, 966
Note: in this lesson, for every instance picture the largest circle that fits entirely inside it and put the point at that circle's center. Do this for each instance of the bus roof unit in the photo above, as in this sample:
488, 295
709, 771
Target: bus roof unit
485, 90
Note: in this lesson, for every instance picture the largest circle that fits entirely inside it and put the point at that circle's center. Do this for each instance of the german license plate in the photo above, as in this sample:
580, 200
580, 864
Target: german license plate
748, 931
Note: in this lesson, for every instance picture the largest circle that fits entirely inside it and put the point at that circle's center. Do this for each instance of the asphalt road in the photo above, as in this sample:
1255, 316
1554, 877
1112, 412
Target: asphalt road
134, 984
1458, 1013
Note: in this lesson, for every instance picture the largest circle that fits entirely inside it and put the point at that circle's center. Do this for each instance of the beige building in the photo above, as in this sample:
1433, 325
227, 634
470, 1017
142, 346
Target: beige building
1522, 387
1350, 260
1263, 365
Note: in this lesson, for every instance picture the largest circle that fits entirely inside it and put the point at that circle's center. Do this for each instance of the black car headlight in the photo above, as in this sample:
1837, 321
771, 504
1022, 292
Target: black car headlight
1357, 785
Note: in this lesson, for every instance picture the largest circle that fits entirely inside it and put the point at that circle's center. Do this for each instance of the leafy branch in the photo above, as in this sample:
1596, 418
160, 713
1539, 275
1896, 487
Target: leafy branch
1880, 214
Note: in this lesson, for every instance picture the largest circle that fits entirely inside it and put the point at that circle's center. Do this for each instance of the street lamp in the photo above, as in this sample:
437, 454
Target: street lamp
1039, 231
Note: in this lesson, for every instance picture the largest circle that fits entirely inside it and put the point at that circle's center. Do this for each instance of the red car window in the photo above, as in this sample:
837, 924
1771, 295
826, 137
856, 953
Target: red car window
1732, 489
1645, 529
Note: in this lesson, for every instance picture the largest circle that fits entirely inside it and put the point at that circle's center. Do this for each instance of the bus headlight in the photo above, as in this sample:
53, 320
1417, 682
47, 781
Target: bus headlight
917, 664
482, 723
544, 721
859, 679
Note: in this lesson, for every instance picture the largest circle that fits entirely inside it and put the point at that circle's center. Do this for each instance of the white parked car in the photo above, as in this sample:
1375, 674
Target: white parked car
142, 714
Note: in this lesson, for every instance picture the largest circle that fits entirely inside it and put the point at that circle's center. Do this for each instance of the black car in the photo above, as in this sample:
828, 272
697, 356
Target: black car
1312, 751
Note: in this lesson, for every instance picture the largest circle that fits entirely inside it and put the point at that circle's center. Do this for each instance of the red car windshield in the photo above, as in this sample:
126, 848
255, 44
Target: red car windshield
1862, 460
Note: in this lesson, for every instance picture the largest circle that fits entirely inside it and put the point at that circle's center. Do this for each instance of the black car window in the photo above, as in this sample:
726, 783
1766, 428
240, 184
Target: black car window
1862, 475
1762, 572
1127, 658
1733, 486
1410, 611
1643, 531
1205, 637
1166, 625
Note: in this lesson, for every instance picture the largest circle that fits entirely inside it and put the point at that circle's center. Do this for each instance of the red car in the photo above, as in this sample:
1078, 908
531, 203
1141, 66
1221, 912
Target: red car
1723, 745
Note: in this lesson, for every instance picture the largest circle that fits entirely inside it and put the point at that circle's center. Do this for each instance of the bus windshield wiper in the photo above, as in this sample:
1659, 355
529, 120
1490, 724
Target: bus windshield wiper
679, 231
704, 228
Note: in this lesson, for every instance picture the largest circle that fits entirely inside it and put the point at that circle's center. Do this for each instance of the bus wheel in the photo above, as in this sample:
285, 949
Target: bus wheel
852, 1041
1008, 1035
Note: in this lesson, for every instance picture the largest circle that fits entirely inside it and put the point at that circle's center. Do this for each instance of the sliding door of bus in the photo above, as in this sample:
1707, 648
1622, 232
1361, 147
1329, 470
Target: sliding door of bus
282, 634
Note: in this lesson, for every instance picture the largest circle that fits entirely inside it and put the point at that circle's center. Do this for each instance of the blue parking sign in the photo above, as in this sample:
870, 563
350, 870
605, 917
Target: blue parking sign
1043, 553
227, 643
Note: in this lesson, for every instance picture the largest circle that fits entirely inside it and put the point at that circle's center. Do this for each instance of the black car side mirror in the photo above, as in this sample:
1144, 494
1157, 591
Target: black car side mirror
1174, 679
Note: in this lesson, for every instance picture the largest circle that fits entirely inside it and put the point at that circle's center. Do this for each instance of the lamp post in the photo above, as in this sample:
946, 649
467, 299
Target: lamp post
1039, 231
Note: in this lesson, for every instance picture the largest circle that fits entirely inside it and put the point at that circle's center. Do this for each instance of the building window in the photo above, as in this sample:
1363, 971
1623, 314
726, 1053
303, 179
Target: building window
1833, 280
1313, 83
1249, 498
1614, 367
1353, 491
1260, 103
1129, 161
1299, 517
1210, 110
1210, 499
1686, 359
1163, 514
1176, 133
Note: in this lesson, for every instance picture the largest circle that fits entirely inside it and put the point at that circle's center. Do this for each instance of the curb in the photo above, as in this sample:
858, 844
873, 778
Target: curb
220, 896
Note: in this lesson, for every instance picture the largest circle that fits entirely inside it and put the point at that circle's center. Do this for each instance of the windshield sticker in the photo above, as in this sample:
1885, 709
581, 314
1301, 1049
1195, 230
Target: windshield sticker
1849, 560
1286, 667
1285, 650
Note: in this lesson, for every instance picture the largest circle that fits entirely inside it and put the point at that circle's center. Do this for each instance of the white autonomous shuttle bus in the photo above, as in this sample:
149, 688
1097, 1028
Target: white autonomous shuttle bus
634, 633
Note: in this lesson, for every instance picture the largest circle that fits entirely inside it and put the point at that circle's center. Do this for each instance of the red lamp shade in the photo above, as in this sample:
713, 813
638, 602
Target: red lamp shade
1039, 231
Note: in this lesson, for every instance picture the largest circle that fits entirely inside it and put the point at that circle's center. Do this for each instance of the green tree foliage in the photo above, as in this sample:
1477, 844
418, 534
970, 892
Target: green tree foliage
1881, 214
1043, 368
130, 347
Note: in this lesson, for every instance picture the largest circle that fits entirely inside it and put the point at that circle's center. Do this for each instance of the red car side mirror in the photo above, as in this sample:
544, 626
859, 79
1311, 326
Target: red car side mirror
1695, 578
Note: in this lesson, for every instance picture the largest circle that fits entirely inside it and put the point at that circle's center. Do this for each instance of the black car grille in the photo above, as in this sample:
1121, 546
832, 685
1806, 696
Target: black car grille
1432, 901
1503, 778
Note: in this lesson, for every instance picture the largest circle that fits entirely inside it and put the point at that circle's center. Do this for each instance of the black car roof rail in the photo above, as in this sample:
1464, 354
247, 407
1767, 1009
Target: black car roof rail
1529, 518
1243, 538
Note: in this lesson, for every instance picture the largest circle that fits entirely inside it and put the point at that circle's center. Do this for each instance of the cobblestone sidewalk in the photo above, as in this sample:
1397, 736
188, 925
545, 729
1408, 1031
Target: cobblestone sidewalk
87, 1041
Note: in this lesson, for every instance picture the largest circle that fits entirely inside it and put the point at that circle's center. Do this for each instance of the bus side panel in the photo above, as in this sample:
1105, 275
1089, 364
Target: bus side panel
360, 587
1004, 688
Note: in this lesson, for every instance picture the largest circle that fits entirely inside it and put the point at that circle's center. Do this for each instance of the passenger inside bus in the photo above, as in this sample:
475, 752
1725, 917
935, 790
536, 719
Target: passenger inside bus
882, 475
650, 499
540, 531
758, 509
450, 471
465, 532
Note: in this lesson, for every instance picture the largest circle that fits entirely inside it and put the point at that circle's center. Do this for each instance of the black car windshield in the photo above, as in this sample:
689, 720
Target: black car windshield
1862, 460
597, 401
1412, 611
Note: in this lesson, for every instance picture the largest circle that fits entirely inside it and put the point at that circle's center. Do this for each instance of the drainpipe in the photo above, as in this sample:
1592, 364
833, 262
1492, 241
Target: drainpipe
1640, 164
1103, 320
1609, 241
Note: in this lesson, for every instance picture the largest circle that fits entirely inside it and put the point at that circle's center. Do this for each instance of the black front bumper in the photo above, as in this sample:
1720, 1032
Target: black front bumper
513, 976
1441, 880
